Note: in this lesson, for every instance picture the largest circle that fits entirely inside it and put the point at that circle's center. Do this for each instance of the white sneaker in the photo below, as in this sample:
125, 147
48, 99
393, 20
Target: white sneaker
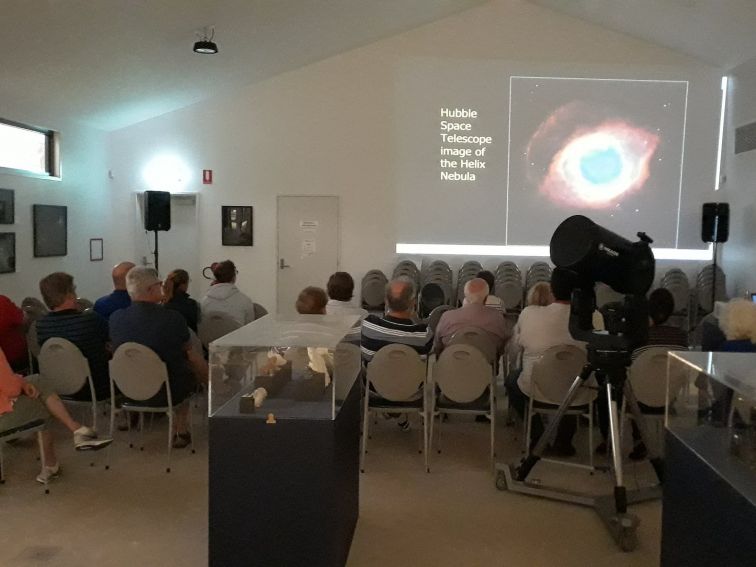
48, 473
85, 439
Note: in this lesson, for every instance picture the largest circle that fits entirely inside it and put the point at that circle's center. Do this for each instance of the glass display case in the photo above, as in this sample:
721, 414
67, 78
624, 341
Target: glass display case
285, 367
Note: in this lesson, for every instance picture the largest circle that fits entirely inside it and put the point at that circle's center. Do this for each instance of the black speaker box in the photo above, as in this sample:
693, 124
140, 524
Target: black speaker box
157, 210
715, 222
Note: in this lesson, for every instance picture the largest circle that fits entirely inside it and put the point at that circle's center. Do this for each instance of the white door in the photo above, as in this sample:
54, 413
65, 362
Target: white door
308, 245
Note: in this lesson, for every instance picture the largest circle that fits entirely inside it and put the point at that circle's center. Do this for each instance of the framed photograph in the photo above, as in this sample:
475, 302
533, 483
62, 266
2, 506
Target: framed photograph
236, 223
7, 252
95, 250
50, 230
7, 211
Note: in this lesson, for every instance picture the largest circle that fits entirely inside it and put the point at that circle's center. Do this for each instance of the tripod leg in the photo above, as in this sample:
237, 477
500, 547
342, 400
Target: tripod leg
534, 456
640, 421
620, 496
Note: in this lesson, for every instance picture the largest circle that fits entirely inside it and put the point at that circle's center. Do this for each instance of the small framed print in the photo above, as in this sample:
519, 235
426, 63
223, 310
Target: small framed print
95, 250
236, 223
7, 207
50, 230
7, 252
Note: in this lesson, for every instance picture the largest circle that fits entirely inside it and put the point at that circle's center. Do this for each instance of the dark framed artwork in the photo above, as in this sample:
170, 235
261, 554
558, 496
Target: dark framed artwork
236, 223
96, 250
50, 230
7, 252
7, 207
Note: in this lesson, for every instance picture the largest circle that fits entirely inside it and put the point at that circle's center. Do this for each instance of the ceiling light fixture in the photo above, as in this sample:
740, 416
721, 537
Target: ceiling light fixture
206, 45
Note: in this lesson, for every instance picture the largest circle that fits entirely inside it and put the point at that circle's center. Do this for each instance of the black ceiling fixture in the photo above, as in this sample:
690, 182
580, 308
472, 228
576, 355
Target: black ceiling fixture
205, 44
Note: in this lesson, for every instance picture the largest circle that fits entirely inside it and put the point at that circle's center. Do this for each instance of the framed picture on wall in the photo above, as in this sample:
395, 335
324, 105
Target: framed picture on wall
236, 223
50, 230
7, 211
7, 252
95, 250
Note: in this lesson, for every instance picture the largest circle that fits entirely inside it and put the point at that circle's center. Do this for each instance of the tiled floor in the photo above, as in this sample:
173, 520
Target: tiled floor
135, 514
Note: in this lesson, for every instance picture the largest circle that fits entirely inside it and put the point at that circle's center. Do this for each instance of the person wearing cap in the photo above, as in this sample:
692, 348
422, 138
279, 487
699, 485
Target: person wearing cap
224, 297
165, 331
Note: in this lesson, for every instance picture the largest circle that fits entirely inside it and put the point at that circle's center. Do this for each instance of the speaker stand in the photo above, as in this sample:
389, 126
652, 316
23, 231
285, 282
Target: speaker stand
713, 278
157, 262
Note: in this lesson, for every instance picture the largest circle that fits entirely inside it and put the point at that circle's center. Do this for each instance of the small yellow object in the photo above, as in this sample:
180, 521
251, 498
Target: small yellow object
271, 419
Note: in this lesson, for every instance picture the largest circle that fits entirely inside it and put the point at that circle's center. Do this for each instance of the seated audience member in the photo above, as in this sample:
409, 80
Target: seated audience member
491, 299
105, 306
224, 297
88, 331
473, 313
13, 333
23, 401
313, 301
396, 327
540, 294
541, 328
164, 331
739, 326
340, 292
176, 297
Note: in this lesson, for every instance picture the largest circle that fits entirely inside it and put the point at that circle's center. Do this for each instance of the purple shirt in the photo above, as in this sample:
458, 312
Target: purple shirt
472, 315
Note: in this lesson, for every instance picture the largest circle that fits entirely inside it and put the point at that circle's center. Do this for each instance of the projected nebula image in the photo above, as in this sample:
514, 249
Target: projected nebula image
596, 164
609, 149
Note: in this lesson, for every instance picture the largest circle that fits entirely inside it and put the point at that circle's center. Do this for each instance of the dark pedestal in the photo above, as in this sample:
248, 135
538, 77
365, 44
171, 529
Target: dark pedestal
287, 494
709, 513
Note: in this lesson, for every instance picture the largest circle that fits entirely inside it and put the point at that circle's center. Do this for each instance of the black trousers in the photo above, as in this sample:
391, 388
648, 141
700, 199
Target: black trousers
519, 401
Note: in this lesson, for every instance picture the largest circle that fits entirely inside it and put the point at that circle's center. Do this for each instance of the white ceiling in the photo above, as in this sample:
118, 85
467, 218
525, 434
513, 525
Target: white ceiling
112, 63
719, 32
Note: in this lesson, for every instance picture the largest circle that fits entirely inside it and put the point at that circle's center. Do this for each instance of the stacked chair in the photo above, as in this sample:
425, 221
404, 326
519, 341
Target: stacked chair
538, 272
467, 272
434, 277
508, 286
373, 291
407, 269
704, 283
676, 282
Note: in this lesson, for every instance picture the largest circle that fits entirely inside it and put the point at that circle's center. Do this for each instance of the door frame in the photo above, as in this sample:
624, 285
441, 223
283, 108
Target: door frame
278, 223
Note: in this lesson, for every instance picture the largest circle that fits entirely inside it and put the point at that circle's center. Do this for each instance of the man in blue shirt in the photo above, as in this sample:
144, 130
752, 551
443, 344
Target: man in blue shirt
119, 299
164, 331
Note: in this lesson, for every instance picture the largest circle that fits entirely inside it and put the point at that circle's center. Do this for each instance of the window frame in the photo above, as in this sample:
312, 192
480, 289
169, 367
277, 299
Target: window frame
52, 152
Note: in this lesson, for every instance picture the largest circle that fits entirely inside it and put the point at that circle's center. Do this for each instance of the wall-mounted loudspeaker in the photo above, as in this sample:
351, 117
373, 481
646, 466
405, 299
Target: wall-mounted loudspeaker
715, 222
157, 210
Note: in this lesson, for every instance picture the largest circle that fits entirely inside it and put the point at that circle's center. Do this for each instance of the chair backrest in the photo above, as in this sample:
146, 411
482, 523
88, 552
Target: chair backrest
431, 296
435, 316
477, 338
648, 377
33, 308
555, 371
138, 372
214, 325
83, 304
462, 373
395, 372
32, 343
61, 362
260, 311
347, 363
510, 293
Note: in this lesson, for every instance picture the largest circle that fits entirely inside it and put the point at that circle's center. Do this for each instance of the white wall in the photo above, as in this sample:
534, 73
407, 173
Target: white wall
84, 189
327, 129
739, 188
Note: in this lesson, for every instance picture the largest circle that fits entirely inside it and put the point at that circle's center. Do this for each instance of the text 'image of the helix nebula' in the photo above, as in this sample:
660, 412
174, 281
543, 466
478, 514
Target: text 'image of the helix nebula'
582, 156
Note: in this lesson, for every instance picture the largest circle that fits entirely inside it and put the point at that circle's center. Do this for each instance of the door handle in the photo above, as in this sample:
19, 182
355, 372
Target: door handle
282, 264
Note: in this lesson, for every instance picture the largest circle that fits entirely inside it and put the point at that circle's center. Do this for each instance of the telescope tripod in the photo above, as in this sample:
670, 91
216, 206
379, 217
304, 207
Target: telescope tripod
610, 369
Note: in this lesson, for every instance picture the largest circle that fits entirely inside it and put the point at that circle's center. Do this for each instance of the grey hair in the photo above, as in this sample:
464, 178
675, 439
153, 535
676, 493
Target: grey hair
403, 301
739, 320
476, 291
139, 279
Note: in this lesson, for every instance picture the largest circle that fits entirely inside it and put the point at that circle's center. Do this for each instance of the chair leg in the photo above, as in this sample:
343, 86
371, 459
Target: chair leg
528, 427
2, 464
141, 431
191, 428
431, 419
493, 427
590, 434
365, 427
42, 458
94, 414
170, 439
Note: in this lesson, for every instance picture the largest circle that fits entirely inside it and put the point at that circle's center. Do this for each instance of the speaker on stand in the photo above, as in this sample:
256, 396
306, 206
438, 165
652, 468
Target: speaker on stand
157, 216
715, 228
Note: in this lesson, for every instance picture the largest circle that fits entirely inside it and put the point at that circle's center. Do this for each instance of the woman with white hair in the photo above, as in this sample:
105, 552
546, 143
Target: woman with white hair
739, 326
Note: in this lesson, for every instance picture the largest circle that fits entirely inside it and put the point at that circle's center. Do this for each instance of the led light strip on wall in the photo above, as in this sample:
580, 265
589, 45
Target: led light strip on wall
705, 254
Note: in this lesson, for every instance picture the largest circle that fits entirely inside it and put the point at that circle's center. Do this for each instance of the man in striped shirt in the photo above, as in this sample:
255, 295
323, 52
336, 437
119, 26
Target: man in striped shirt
397, 326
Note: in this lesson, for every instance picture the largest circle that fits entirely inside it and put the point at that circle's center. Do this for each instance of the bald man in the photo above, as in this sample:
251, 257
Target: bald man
473, 313
119, 299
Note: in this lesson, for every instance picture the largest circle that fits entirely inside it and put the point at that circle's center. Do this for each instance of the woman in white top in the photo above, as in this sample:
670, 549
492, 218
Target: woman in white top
224, 297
